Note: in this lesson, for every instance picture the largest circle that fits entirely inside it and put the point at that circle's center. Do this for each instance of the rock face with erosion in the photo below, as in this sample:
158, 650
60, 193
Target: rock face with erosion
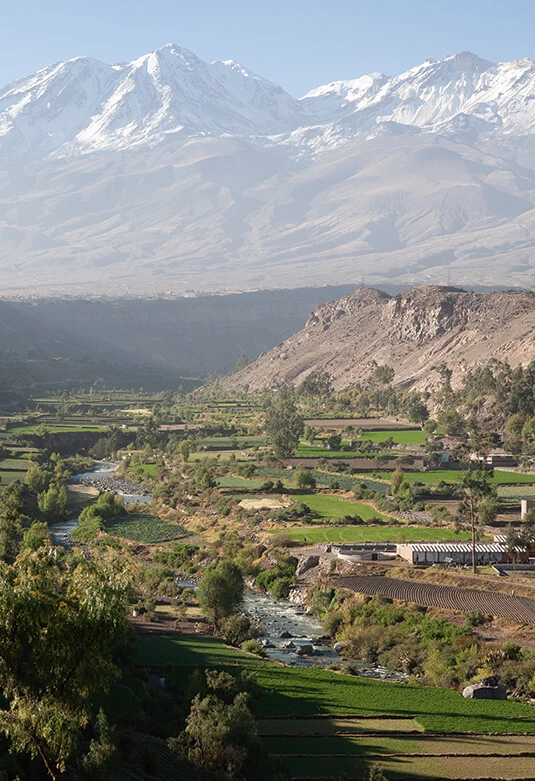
415, 333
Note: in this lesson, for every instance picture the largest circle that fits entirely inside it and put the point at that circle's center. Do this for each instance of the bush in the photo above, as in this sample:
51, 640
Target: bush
253, 647
238, 629
280, 588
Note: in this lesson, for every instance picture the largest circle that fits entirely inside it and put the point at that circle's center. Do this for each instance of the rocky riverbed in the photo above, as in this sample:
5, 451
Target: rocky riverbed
104, 477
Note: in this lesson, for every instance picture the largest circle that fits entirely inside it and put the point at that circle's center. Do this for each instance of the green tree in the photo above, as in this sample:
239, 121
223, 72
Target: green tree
479, 504
283, 423
304, 478
11, 514
220, 591
384, 374
53, 503
222, 738
316, 384
36, 536
60, 621
396, 479
185, 450
37, 479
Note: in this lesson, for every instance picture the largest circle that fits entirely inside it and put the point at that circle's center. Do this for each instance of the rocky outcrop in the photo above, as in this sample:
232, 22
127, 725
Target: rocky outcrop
480, 691
308, 563
414, 332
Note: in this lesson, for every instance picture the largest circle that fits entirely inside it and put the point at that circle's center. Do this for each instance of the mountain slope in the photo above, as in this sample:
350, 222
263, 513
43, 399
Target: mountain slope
223, 214
413, 332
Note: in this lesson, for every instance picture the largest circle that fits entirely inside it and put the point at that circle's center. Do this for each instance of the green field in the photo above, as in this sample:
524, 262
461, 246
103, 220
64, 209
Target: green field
316, 534
10, 476
330, 506
415, 437
311, 692
161, 650
57, 428
144, 527
517, 491
318, 451
454, 476
240, 482
227, 442
14, 464
144, 469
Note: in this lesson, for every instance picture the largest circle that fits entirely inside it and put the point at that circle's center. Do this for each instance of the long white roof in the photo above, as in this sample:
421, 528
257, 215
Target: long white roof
455, 547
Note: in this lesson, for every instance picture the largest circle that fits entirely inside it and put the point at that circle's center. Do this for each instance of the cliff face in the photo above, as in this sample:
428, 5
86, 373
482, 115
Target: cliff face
414, 332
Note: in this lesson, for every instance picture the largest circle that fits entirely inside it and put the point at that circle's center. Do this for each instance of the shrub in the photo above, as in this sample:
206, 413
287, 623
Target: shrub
253, 647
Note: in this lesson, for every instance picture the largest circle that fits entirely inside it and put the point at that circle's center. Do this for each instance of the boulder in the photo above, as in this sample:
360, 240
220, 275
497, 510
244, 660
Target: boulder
306, 564
479, 691
305, 650
285, 635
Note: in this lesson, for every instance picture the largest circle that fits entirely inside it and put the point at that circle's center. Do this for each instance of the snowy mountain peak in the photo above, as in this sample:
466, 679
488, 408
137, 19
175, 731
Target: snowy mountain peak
84, 105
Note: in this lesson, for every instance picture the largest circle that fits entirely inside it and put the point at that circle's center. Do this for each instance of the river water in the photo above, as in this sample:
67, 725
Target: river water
101, 476
276, 617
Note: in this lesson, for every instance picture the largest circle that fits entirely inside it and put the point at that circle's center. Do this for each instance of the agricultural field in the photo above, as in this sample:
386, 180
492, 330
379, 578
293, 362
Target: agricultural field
219, 443
10, 476
240, 482
454, 476
58, 428
144, 469
332, 506
415, 437
322, 723
519, 609
517, 492
313, 692
16, 464
161, 650
314, 535
319, 451
146, 528
318, 693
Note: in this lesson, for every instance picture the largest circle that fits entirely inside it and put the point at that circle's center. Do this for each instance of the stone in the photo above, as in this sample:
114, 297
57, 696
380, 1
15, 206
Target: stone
479, 691
306, 564
305, 650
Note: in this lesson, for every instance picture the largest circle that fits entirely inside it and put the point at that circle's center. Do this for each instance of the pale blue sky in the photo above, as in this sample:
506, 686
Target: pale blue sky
298, 43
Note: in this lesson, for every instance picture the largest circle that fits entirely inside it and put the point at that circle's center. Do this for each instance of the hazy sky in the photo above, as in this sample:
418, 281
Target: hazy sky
299, 44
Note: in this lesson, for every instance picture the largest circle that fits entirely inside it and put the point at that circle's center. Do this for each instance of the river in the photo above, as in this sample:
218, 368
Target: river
102, 476
286, 627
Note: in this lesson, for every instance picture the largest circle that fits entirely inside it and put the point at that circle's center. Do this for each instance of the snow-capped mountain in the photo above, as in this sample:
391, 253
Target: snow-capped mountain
171, 173
84, 105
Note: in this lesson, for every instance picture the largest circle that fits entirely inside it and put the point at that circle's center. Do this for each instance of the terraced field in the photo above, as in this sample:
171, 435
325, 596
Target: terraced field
448, 597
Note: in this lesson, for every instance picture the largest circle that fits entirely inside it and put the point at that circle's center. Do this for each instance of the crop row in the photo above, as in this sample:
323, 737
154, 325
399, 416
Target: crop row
447, 597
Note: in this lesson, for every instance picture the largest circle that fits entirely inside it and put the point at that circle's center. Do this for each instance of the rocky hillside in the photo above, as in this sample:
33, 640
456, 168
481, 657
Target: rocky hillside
413, 332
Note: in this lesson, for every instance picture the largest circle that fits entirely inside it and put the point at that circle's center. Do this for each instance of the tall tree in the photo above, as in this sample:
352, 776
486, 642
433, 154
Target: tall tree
479, 503
283, 423
220, 591
60, 620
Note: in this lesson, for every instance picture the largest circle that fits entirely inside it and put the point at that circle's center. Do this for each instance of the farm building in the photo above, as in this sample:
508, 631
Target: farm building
365, 551
451, 552
496, 458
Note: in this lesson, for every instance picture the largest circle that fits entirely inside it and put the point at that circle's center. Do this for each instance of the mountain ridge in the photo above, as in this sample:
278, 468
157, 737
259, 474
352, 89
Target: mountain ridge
83, 105
168, 174
414, 332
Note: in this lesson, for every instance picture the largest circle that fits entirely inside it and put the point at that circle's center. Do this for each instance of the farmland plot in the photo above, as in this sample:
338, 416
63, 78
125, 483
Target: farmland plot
449, 597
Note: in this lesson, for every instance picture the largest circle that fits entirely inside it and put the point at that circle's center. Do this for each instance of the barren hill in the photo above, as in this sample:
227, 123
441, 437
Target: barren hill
413, 332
